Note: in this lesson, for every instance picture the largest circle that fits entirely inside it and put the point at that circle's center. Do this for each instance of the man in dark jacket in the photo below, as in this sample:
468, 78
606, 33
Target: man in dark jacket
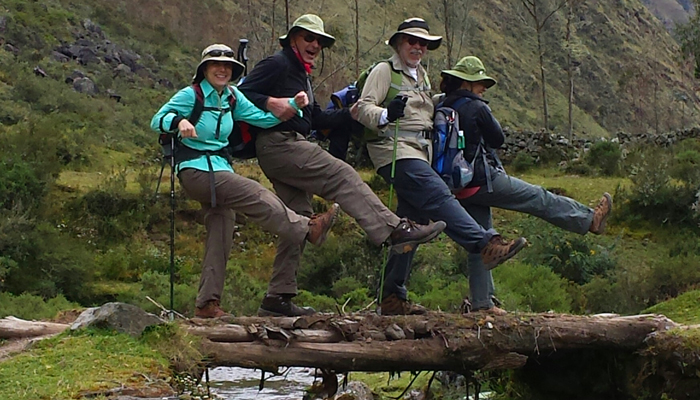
298, 169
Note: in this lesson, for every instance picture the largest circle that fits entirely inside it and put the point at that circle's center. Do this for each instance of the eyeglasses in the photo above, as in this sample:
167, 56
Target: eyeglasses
412, 40
219, 53
309, 38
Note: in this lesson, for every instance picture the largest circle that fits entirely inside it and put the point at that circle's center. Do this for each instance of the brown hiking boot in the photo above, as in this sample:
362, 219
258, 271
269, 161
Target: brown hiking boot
281, 306
601, 212
408, 235
498, 250
393, 305
210, 310
320, 225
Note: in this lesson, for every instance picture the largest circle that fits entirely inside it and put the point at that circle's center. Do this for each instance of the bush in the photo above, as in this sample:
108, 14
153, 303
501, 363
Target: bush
523, 162
531, 288
38, 259
574, 257
605, 156
28, 306
686, 168
654, 197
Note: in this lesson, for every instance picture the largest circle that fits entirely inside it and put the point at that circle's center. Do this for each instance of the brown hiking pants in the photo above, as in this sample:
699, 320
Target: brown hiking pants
240, 194
298, 169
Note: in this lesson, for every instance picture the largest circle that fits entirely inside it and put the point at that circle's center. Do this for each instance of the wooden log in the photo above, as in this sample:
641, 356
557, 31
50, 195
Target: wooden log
11, 328
457, 343
231, 333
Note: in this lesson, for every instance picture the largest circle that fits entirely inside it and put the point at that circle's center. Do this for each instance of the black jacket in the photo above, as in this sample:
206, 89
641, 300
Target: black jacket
477, 122
283, 75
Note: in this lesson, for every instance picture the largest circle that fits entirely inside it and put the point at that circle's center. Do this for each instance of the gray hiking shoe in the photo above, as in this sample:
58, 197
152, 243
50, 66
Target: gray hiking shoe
408, 235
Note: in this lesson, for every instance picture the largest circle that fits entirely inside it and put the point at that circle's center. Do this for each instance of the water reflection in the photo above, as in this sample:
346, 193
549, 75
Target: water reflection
242, 384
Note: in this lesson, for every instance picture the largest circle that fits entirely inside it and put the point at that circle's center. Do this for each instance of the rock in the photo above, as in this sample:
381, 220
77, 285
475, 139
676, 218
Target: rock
84, 85
355, 390
394, 332
122, 70
86, 56
39, 72
60, 57
121, 317
3, 23
75, 75
12, 49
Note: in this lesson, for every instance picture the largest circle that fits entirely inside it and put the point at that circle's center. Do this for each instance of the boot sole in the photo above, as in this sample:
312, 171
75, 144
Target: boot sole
405, 247
601, 227
518, 246
265, 313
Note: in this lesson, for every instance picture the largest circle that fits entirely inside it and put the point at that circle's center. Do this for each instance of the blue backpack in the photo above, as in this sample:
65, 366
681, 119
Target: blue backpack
448, 145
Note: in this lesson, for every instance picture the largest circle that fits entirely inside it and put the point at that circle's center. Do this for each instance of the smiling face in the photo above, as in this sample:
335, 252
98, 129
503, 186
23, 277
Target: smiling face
411, 50
218, 74
307, 44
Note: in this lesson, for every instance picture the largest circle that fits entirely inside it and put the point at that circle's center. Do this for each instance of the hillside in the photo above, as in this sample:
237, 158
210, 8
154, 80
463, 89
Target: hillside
628, 76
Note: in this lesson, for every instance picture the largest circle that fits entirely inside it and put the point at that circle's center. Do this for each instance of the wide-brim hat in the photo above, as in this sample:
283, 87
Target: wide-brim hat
470, 69
218, 52
416, 27
311, 23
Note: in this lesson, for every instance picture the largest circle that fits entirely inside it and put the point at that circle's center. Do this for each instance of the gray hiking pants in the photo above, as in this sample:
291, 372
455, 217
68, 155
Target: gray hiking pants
240, 194
514, 194
298, 169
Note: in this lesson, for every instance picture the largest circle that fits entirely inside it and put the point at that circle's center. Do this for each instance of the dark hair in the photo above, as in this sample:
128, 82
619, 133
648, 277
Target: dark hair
449, 83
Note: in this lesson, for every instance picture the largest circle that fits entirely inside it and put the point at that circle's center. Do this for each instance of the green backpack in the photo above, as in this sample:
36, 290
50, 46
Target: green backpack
369, 135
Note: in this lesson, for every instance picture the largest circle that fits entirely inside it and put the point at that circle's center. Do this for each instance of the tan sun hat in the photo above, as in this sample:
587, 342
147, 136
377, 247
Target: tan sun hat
470, 69
416, 27
218, 52
311, 23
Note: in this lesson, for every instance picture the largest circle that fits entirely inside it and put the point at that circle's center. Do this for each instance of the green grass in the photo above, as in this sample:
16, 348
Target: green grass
684, 309
65, 366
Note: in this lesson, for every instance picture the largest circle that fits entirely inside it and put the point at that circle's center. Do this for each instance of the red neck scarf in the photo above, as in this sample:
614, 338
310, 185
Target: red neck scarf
307, 66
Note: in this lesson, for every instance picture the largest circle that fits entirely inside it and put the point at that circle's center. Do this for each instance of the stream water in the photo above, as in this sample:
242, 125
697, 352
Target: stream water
242, 384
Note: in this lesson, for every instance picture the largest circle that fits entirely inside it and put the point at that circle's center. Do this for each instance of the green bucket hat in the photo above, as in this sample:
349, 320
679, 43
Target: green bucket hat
470, 69
311, 23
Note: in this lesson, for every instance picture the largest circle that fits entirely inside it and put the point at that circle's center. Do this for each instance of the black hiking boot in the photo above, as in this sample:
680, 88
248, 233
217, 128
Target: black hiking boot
408, 235
282, 306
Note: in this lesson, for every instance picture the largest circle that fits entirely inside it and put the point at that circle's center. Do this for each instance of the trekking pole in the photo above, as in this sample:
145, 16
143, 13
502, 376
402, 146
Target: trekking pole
172, 228
242, 54
391, 199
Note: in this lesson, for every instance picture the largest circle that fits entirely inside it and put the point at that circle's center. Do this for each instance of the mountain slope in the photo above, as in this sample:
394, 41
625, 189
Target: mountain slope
628, 76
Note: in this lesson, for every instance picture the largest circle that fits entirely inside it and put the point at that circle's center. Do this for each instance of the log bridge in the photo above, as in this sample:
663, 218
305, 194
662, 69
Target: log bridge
563, 356
438, 341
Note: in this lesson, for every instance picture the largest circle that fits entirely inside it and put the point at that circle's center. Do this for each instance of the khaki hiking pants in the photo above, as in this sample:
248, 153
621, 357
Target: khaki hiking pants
240, 194
298, 169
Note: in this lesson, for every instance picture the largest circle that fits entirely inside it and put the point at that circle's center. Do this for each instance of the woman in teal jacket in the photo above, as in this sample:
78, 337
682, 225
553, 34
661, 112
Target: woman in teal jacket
206, 175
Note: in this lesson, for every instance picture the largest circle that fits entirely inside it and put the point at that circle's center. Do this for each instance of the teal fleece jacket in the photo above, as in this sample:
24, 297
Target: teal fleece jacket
180, 107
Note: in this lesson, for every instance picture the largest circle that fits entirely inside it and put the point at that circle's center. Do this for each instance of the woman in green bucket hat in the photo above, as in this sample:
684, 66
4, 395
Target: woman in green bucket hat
464, 87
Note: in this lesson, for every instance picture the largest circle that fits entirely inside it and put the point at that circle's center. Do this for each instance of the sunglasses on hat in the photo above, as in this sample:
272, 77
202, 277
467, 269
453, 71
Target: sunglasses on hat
412, 40
219, 53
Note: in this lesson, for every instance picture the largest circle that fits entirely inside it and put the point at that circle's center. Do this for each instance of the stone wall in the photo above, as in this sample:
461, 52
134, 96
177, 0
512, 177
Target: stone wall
552, 146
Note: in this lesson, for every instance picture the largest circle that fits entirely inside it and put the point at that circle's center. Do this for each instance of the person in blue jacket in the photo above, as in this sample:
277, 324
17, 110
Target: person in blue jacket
491, 186
205, 174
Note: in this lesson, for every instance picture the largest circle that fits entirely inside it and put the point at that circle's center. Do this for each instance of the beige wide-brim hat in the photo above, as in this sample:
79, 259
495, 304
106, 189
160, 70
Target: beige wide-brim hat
470, 69
416, 27
218, 52
311, 23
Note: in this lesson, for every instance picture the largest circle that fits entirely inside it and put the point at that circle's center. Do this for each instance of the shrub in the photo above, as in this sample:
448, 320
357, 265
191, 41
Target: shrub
531, 288
523, 162
38, 259
654, 197
686, 168
574, 257
28, 306
605, 156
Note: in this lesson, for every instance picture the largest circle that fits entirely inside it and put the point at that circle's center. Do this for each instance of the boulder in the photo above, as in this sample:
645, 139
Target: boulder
84, 85
121, 317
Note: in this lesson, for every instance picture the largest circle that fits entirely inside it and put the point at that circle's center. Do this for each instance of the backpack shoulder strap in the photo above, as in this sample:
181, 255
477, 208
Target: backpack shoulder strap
198, 104
231, 100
